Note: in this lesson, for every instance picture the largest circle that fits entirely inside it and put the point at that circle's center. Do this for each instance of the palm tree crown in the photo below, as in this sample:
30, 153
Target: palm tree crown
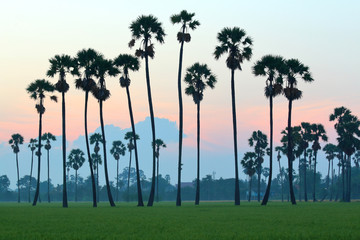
37, 90
186, 21
126, 62
118, 148
15, 141
85, 60
76, 159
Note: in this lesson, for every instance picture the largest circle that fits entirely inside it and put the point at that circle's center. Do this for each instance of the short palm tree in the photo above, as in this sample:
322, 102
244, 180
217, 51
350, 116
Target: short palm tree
118, 149
37, 91
128, 62
238, 46
294, 70
131, 137
85, 62
62, 64
15, 141
104, 68
249, 165
273, 68
197, 78
280, 150
96, 138
186, 21
76, 160
48, 137
330, 151
32, 146
159, 143
306, 137
145, 28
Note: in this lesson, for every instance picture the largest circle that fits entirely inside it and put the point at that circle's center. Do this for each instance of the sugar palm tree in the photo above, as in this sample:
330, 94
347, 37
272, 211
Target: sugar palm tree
144, 28
131, 137
15, 141
306, 137
238, 46
318, 132
118, 149
104, 68
280, 149
294, 70
76, 160
186, 21
273, 68
159, 143
259, 141
32, 146
37, 91
48, 137
197, 78
249, 165
96, 138
330, 151
128, 62
85, 62
62, 64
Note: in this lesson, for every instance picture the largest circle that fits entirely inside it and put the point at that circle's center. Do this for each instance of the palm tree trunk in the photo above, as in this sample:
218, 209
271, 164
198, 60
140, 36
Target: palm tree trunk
343, 179
88, 152
299, 167
157, 179
75, 185
332, 180
48, 173
338, 185
305, 173
39, 158
237, 187
267, 192
314, 187
250, 181
31, 168
178, 195
97, 182
117, 180
349, 179
128, 188
290, 155
152, 191
282, 183
140, 199
18, 179
259, 181
197, 198
65, 201
111, 201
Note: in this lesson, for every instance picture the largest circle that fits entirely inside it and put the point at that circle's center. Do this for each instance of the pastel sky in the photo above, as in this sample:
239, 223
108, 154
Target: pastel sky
323, 34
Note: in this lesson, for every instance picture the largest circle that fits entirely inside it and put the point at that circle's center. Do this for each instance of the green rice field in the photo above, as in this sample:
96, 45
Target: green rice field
209, 220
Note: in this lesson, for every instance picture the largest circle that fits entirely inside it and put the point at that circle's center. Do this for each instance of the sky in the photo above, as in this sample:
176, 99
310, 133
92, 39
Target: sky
323, 35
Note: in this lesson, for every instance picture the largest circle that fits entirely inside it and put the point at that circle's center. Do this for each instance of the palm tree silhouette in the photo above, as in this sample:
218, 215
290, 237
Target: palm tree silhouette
118, 148
197, 78
48, 137
15, 141
294, 69
128, 62
144, 28
272, 67
85, 61
280, 149
32, 146
96, 138
159, 143
131, 145
37, 91
62, 64
103, 68
235, 42
249, 165
330, 151
306, 139
186, 21
76, 160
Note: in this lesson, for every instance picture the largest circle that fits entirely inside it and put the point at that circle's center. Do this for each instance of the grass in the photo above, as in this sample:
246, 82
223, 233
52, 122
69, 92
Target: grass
209, 220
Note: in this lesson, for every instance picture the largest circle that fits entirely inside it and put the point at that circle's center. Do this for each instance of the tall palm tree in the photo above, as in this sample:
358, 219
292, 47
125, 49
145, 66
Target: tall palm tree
85, 61
159, 143
15, 141
318, 132
259, 141
76, 160
104, 68
131, 137
32, 146
330, 151
306, 137
249, 165
62, 64
48, 137
144, 28
96, 138
37, 91
197, 78
118, 149
273, 68
186, 21
128, 62
294, 70
238, 46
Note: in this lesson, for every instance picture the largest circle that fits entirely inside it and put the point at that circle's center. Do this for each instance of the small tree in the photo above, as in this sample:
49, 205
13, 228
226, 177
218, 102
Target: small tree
118, 149
15, 141
76, 160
